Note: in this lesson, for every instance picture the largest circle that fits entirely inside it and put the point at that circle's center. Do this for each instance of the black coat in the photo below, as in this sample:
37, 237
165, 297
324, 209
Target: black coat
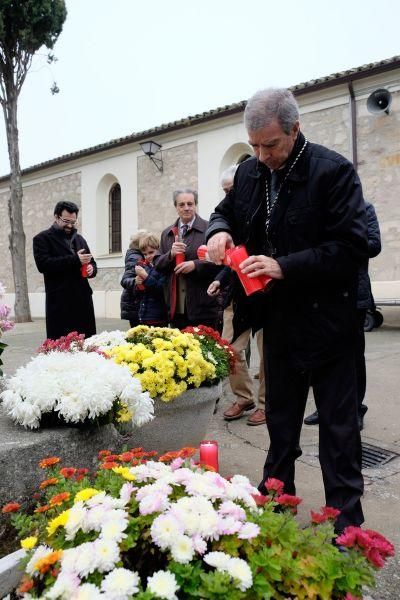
69, 303
153, 310
364, 295
199, 305
130, 297
318, 232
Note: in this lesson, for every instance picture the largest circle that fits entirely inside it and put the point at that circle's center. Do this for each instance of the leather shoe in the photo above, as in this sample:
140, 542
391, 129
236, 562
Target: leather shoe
236, 410
312, 419
257, 418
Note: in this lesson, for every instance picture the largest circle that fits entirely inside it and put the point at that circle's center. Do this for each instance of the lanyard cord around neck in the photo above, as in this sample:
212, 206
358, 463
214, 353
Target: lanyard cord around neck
271, 200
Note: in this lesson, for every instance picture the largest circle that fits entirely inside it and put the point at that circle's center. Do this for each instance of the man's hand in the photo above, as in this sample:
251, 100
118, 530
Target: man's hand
186, 267
254, 266
213, 288
90, 270
177, 247
84, 258
217, 245
141, 272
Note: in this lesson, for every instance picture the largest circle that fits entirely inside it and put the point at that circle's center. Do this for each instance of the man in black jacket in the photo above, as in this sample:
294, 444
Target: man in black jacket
64, 258
298, 208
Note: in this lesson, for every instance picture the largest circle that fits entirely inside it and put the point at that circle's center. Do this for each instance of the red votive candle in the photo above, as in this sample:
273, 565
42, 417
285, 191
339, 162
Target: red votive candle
179, 258
84, 272
209, 454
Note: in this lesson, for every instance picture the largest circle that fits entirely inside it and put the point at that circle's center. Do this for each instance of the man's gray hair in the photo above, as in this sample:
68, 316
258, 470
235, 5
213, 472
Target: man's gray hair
228, 174
185, 191
267, 105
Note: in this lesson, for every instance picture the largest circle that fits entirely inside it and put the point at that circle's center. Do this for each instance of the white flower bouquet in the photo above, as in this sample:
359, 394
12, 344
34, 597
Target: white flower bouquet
75, 387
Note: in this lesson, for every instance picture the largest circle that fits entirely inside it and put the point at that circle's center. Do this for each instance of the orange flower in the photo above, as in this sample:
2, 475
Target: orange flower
126, 457
49, 462
111, 457
103, 453
11, 507
47, 482
109, 465
26, 585
43, 564
135, 450
67, 472
168, 456
58, 499
187, 452
42, 509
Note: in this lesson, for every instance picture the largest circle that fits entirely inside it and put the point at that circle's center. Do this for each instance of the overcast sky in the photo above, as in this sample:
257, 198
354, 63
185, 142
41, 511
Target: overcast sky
128, 65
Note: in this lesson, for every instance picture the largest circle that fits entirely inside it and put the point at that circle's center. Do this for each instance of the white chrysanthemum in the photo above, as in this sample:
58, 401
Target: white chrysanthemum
163, 585
248, 531
106, 554
105, 340
197, 515
79, 560
232, 509
87, 591
182, 549
219, 560
76, 520
210, 485
114, 526
77, 385
240, 570
64, 587
165, 529
120, 584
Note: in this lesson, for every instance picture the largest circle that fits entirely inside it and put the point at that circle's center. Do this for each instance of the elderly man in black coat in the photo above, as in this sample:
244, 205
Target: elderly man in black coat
64, 258
299, 209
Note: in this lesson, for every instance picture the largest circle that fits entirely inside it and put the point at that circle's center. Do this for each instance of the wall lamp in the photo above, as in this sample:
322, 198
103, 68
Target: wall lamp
151, 148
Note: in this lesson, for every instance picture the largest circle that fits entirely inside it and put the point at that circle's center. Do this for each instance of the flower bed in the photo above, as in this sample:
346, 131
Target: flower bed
169, 529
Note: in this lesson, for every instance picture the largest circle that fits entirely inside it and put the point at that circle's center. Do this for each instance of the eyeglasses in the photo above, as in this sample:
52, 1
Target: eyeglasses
67, 221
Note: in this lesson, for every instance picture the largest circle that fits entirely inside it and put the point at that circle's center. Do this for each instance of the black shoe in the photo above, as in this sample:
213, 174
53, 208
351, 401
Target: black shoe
312, 419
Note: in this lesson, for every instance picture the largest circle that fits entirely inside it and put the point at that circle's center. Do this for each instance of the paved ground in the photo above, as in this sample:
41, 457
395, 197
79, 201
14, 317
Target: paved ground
242, 448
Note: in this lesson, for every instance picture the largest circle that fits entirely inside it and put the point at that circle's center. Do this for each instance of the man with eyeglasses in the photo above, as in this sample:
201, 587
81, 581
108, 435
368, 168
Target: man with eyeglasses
64, 258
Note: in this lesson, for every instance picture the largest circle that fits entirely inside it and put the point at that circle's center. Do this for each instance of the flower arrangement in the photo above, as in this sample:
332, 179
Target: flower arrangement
72, 342
171, 529
166, 361
75, 387
215, 349
5, 323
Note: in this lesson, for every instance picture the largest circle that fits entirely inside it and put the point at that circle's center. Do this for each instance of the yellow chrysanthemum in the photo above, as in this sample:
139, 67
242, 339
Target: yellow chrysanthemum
57, 522
29, 542
124, 415
85, 494
125, 472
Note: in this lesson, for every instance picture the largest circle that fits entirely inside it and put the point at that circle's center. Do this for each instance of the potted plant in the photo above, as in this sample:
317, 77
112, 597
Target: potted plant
181, 370
171, 529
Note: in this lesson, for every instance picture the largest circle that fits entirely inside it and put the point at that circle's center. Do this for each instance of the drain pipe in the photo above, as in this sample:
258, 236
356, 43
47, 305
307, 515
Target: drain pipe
353, 125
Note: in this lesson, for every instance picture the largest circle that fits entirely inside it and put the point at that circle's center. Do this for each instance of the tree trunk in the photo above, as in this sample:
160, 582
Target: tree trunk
17, 234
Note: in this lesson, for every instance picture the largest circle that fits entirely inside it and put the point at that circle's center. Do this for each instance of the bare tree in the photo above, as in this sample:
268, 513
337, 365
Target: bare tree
25, 26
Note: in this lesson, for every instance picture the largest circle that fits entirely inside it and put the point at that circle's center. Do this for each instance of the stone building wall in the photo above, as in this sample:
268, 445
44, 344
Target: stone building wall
155, 205
329, 127
39, 201
379, 169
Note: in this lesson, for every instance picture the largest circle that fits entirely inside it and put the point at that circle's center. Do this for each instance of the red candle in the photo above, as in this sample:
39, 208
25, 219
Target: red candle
179, 258
209, 454
84, 272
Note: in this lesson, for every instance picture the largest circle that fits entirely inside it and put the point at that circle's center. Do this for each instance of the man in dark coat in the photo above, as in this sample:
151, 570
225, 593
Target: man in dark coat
365, 301
64, 258
298, 208
187, 279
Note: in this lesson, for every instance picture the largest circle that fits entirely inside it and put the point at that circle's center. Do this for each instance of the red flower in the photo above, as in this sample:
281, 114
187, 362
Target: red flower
49, 462
42, 509
111, 458
374, 546
11, 507
26, 585
187, 452
103, 453
126, 457
288, 500
327, 514
80, 474
68, 472
260, 499
351, 597
274, 485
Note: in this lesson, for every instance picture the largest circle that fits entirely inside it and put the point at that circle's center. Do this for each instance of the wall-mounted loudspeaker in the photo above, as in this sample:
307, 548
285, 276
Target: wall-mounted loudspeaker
379, 102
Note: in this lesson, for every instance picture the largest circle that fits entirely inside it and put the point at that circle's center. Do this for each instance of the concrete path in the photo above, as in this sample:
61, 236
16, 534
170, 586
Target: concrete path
242, 448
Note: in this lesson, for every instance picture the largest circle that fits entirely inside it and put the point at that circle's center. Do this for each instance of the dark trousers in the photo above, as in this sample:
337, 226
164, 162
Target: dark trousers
360, 362
335, 394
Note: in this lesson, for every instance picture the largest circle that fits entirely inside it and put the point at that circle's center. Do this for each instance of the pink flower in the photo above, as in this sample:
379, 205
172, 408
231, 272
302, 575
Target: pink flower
327, 514
374, 546
288, 500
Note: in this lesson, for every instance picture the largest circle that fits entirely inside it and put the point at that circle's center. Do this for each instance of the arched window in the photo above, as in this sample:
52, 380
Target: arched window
114, 219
